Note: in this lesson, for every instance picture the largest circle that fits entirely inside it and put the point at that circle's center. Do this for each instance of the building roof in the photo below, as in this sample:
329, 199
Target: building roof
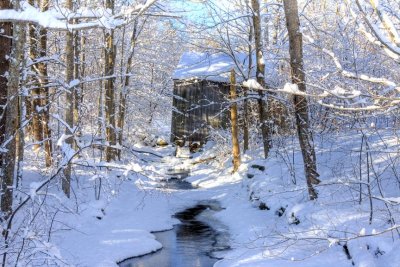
212, 67
217, 66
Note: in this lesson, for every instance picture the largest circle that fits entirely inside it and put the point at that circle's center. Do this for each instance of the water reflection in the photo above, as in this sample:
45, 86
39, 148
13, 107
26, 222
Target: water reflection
189, 244
176, 184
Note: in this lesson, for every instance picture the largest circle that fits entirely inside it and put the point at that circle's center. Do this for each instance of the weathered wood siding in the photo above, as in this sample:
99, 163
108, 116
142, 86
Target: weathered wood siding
197, 107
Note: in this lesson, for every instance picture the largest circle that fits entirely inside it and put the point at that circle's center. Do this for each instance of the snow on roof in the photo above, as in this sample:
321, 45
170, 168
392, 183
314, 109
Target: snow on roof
212, 67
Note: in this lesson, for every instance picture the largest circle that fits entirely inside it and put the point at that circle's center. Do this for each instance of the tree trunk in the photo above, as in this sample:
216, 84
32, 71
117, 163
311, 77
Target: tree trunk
245, 94
11, 128
44, 91
20, 143
300, 102
109, 90
264, 3
21, 116
82, 64
37, 131
69, 115
5, 52
77, 92
124, 92
12, 123
245, 121
260, 72
234, 124
100, 111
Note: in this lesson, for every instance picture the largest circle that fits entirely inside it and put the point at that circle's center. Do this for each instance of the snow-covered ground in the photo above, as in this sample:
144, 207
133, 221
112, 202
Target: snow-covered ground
266, 207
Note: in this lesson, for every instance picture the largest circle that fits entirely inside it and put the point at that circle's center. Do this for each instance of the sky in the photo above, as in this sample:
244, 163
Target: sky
196, 9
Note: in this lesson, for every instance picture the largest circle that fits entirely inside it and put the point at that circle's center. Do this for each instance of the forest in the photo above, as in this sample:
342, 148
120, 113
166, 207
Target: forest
199, 133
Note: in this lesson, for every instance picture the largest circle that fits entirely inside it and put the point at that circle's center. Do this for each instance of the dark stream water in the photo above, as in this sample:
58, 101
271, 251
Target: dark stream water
192, 243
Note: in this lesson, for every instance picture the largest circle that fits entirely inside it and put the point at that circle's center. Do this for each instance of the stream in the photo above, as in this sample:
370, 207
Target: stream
191, 243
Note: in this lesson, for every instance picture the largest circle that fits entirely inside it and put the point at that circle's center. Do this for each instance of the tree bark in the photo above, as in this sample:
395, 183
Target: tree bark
82, 62
109, 90
20, 142
245, 121
300, 102
5, 52
8, 172
77, 90
234, 123
37, 131
245, 93
69, 115
12, 122
260, 72
124, 92
44, 91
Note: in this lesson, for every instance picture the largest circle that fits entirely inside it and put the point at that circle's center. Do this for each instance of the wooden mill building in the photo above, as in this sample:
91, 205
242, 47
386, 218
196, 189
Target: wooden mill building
201, 87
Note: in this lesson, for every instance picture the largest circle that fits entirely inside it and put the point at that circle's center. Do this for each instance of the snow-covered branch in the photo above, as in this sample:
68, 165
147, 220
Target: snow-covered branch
384, 32
337, 92
60, 19
362, 77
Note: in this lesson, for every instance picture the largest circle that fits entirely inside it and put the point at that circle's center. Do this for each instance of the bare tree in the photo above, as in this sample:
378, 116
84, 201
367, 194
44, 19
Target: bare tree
300, 101
12, 122
245, 91
124, 92
44, 90
37, 132
234, 123
260, 72
69, 114
77, 92
109, 66
5, 51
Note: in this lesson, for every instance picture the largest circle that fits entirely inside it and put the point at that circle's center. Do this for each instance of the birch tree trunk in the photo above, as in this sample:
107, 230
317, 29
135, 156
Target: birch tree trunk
69, 115
234, 123
300, 102
262, 107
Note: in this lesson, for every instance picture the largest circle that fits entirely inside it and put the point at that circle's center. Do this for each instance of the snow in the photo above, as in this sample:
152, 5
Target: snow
56, 18
183, 152
292, 89
111, 232
217, 66
33, 189
213, 67
121, 227
252, 84
121, 224
116, 208
74, 83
